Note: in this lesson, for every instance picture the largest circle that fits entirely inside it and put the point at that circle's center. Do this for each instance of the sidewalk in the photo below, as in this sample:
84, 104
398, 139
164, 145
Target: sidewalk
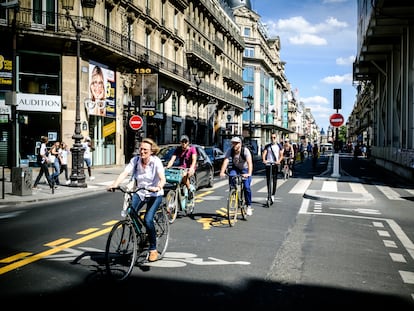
103, 176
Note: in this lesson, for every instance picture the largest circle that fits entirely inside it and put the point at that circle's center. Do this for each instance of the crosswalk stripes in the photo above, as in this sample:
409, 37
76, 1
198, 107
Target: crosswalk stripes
389, 193
302, 185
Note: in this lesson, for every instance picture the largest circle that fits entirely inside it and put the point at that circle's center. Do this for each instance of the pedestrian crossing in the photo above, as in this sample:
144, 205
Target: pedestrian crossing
300, 186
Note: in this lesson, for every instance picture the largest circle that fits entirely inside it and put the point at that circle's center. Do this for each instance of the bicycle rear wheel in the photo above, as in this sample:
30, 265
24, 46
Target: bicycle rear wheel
232, 207
286, 172
121, 250
162, 227
171, 205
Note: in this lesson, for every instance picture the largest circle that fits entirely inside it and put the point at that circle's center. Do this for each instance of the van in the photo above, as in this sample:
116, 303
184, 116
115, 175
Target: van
326, 149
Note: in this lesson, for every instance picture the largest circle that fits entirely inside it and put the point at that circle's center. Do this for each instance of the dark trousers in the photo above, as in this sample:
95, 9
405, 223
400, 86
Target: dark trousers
44, 169
271, 179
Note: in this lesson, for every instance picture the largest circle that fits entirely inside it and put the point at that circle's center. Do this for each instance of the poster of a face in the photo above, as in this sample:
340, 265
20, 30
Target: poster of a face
101, 100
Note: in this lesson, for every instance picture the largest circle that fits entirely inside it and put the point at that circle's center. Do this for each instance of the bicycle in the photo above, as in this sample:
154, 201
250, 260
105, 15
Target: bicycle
236, 200
286, 168
128, 243
273, 170
177, 197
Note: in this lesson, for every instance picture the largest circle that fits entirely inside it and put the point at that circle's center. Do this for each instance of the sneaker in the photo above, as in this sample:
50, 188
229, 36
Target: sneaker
153, 256
91, 178
68, 182
290, 173
249, 211
273, 198
35, 188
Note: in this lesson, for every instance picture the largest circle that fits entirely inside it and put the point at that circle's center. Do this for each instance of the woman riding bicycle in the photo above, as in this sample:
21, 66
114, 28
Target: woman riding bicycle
148, 172
241, 164
187, 156
272, 156
288, 155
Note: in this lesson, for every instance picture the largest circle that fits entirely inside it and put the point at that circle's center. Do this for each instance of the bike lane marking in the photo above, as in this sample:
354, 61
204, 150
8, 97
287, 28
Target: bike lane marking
55, 249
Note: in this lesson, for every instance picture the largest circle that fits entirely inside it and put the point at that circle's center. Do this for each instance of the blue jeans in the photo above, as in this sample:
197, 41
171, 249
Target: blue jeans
247, 182
152, 206
56, 173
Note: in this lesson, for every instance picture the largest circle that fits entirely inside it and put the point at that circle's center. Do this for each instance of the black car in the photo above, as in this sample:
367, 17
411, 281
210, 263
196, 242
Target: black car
205, 171
216, 156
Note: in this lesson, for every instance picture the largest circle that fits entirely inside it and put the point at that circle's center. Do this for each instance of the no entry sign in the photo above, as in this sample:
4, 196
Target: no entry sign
336, 119
135, 122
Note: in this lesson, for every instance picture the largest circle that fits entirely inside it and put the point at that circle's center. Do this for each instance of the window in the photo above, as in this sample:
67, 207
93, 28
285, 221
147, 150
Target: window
249, 52
247, 32
35, 78
39, 6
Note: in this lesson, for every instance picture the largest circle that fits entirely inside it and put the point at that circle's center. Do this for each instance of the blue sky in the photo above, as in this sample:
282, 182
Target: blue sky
318, 44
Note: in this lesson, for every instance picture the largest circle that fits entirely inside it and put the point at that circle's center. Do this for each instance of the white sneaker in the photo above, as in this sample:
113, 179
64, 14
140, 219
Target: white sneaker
91, 178
273, 198
68, 182
249, 211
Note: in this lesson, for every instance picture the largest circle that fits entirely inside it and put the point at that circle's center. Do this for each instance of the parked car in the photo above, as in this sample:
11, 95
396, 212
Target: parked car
216, 156
205, 171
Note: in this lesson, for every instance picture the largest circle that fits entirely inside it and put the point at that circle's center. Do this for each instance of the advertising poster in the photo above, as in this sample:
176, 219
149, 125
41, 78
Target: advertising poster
101, 100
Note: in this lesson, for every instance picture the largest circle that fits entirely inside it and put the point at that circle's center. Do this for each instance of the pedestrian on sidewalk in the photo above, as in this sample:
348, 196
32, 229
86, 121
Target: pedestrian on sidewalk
87, 155
44, 162
54, 151
64, 152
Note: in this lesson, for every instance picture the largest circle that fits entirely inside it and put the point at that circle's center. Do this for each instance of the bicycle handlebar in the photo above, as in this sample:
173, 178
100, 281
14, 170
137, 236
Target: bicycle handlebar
124, 189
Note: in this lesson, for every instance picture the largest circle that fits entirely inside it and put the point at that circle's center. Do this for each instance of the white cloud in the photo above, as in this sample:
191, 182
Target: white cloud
344, 79
345, 61
307, 39
298, 31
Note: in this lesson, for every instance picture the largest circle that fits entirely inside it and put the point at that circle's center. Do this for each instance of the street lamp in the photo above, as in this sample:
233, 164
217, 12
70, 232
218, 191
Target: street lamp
249, 101
77, 177
198, 76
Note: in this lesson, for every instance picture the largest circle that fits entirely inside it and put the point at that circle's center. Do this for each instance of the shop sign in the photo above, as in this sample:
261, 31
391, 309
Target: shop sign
38, 102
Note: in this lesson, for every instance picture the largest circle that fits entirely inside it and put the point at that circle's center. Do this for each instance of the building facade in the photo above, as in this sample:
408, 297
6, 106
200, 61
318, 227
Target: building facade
184, 66
383, 115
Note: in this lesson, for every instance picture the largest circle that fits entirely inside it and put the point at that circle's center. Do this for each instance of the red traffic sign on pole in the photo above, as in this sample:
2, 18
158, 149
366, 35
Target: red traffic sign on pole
336, 120
135, 122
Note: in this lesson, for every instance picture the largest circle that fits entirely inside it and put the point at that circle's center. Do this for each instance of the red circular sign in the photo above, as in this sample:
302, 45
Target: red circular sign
336, 119
135, 122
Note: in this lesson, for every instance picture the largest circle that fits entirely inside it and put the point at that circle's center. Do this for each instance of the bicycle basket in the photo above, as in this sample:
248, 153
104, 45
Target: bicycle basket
173, 175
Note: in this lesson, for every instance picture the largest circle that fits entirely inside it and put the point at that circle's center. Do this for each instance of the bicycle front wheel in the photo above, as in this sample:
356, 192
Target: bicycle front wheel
162, 227
232, 206
171, 205
121, 250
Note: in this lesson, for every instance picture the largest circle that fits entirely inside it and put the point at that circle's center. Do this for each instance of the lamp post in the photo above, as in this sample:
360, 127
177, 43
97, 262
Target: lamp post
77, 177
249, 101
198, 76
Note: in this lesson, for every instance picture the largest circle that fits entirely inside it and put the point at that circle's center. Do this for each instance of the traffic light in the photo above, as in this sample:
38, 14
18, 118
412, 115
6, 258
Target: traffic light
337, 98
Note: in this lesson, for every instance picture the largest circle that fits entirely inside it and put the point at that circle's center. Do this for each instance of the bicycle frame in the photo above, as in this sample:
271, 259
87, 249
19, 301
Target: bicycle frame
177, 198
236, 200
128, 243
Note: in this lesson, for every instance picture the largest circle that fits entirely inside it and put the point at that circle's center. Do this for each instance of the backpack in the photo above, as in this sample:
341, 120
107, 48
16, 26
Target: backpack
242, 151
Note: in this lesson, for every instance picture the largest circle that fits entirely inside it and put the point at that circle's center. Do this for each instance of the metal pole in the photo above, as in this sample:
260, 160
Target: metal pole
77, 178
